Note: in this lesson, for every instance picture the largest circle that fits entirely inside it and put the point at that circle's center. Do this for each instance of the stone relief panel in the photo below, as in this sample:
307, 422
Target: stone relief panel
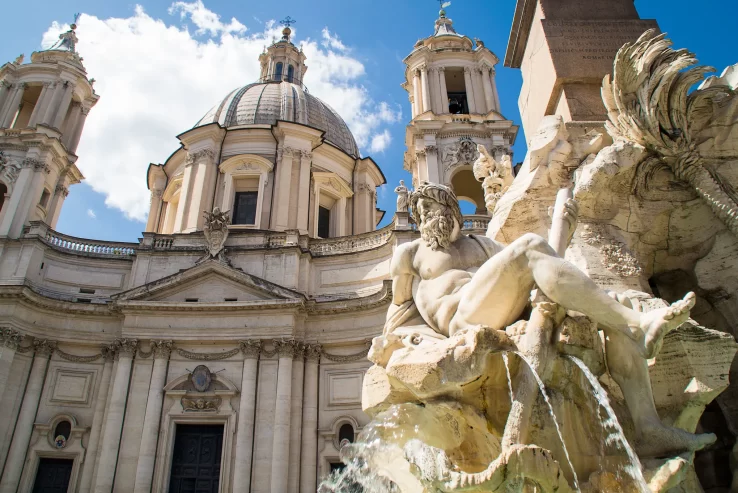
344, 387
72, 386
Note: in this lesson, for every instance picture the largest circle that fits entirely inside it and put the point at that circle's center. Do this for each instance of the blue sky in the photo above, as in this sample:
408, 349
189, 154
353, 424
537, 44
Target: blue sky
359, 44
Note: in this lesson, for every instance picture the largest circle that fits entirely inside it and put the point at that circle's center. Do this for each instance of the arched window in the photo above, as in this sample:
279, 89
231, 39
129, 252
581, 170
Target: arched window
278, 72
290, 73
3, 193
63, 428
346, 432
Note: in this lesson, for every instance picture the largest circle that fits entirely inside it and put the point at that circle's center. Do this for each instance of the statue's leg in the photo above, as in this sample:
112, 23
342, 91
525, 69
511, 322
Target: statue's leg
500, 289
630, 370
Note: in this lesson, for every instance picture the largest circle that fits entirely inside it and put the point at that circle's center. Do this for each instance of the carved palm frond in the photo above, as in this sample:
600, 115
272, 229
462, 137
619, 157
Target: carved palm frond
648, 102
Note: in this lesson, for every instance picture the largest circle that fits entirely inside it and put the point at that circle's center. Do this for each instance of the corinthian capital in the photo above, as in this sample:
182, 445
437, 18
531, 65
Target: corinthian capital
287, 348
162, 349
44, 347
313, 351
201, 155
251, 348
10, 338
126, 347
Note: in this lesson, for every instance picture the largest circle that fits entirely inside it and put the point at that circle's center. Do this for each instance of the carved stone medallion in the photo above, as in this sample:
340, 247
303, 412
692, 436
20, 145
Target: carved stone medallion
201, 378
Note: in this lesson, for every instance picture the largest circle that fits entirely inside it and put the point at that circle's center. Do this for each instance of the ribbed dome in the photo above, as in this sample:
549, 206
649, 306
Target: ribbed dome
265, 103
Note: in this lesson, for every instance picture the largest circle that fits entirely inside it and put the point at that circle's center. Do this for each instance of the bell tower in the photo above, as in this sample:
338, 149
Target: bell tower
450, 81
43, 107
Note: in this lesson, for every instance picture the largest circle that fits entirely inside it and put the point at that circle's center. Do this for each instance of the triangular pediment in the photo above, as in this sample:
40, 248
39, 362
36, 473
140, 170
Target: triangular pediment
209, 282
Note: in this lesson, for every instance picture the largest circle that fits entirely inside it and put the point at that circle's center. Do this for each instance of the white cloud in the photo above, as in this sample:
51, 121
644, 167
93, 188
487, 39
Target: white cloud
156, 80
206, 20
332, 41
381, 141
91, 214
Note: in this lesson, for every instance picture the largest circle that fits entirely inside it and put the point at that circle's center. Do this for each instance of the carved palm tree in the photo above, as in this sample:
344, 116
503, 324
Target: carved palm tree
648, 102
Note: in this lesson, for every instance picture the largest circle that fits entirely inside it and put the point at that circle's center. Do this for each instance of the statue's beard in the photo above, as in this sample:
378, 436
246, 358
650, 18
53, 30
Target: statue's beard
436, 229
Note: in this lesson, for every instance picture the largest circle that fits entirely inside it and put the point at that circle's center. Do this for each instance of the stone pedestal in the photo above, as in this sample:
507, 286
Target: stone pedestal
564, 48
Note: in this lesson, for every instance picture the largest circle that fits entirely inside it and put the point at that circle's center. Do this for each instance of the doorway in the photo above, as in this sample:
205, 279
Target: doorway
196, 459
53, 475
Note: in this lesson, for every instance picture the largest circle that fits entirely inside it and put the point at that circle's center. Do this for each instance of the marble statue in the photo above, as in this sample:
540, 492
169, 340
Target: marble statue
403, 195
216, 231
491, 340
19, 59
496, 177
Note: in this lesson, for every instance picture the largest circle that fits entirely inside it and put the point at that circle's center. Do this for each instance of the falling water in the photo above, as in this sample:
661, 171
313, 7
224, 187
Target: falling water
542, 387
509, 379
616, 437
357, 476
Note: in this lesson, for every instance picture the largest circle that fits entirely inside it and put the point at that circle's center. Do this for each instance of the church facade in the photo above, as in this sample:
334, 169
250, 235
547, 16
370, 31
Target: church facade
224, 351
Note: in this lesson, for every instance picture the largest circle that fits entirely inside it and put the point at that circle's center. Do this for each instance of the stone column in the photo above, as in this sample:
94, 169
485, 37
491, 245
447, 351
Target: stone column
246, 412
281, 435
26, 416
9, 342
88, 468
71, 123
469, 90
114, 423
298, 368
200, 188
55, 204
64, 102
444, 91
434, 88
12, 107
154, 211
435, 174
5, 89
488, 91
152, 418
303, 204
426, 91
57, 89
282, 188
494, 90
417, 97
40, 105
309, 454
77, 132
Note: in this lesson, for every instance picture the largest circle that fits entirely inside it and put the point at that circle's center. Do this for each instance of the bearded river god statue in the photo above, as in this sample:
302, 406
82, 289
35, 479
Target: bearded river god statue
504, 367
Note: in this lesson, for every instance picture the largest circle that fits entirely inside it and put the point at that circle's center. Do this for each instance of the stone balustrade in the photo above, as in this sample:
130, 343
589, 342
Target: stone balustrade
351, 244
475, 222
80, 245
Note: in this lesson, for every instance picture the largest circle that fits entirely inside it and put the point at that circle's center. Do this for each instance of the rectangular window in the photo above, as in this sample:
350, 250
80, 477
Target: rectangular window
244, 208
44, 198
324, 222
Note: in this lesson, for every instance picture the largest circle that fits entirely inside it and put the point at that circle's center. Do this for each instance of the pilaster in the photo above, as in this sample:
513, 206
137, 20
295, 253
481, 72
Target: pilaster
24, 426
309, 452
286, 350
246, 411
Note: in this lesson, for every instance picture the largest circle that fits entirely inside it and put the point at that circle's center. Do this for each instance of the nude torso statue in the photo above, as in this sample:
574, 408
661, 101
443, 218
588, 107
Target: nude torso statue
459, 281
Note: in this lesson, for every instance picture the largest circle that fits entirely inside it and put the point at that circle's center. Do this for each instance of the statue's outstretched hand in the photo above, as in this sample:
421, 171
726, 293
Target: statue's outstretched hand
571, 214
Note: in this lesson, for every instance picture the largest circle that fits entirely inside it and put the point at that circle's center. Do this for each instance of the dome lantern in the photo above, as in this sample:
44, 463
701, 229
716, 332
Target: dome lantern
283, 61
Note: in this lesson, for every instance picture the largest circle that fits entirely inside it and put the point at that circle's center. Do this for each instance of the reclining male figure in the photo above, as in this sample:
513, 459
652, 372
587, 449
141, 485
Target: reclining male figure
459, 281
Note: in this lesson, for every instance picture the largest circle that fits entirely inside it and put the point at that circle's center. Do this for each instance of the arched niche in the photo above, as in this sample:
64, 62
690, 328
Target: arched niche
465, 185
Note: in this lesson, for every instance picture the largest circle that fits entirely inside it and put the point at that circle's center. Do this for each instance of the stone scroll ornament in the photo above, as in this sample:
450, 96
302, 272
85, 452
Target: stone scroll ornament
487, 376
649, 103
216, 233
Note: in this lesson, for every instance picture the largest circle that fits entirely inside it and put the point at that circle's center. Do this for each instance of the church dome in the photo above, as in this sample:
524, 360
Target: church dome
267, 102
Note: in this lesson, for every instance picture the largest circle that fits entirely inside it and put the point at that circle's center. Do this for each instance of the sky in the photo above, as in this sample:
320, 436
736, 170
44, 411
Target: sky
160, 65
